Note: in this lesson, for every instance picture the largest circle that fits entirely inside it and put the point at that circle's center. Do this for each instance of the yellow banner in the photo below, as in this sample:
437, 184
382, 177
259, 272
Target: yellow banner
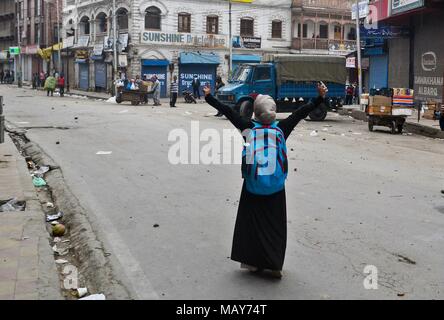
243, 1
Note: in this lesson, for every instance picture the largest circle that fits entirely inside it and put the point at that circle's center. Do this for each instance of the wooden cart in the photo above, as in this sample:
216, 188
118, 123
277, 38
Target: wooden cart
136, 97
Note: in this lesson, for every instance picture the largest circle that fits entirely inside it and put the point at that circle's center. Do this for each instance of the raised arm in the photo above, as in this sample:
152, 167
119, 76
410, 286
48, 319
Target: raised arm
231, 115
301, 113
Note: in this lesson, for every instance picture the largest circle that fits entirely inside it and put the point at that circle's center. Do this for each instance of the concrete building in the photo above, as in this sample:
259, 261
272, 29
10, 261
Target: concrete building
7, 33
174, 37
323, 27
35, 29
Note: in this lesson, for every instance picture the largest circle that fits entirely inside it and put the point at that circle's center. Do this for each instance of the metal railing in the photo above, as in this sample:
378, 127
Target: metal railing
323, 44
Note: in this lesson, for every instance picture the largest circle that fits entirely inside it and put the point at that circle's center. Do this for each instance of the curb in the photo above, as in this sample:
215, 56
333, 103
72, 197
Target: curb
411, 127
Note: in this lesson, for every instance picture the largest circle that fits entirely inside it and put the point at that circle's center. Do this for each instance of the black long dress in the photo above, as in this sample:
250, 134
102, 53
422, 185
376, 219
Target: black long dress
260, 234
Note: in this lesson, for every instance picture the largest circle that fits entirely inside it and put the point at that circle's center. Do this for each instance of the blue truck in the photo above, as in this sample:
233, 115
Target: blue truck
290, 79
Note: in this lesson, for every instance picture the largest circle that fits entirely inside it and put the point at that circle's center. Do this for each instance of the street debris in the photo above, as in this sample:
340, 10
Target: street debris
53, 217
61, 261
314, 133
325, 129
41, 171
123, 111
38, 182
99, 296
60, 251
81, 292
404, 259
12, 205
156, 226
103, 152
401, 294
111, 100
50, 205
442, 191
57, 239
58, 230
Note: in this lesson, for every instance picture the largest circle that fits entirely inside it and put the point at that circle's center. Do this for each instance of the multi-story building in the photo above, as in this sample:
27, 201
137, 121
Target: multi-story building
174, 37
38, 29
323, 27
7, 33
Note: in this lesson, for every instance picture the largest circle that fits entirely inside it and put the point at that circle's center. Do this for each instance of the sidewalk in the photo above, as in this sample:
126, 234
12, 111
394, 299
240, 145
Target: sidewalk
425, 127
27, 267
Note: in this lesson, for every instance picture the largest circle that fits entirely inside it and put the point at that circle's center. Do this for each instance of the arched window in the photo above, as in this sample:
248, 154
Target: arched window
84, 26
122, 19
212, 24
153, 18
247, 27
276, 29
102, 25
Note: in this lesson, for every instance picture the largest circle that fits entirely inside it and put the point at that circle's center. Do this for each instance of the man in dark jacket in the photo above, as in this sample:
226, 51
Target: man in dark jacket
196, 87
219, 84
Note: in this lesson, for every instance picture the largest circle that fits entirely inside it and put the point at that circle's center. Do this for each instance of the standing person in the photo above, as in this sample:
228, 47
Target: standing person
50, 85
196, 87
260, 235
174, 90
219, 84
35, 80
156, 91
441, 118
2, 75
61, 84
42, 78
349, 95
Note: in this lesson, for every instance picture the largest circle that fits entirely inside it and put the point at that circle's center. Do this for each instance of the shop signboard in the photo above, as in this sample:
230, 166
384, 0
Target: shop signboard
83, 41
121, 45
384, 32
351, 62
429, 61
184, 39
399, 6
68, 42
247, 42
363, 10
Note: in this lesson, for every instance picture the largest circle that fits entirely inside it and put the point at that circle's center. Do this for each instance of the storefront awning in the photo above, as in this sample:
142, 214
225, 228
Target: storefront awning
199, 58
247, 58
154, 62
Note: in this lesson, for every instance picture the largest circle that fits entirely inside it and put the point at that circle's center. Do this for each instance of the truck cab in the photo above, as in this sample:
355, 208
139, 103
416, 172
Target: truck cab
252, 79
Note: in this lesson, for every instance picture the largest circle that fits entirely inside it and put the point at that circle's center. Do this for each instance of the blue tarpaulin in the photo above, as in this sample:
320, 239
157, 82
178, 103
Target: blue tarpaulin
154, 62
246, 58
199, 58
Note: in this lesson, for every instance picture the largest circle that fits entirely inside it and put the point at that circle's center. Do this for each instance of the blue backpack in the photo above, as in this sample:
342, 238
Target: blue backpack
264, 159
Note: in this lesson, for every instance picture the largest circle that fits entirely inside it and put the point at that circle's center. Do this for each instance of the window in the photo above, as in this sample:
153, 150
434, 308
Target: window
262, 73
184, 22
152, 18
102, 23
276, 29
247, 27
212, 25
305, 29
337, 32
84, 26
36, 33
323, 31
122, 19
352, 34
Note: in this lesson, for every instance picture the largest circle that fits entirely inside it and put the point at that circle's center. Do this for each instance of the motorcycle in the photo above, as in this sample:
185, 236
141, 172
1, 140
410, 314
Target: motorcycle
188, 96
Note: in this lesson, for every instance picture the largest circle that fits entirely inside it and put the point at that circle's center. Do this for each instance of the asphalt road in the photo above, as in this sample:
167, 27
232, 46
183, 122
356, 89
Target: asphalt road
356, 199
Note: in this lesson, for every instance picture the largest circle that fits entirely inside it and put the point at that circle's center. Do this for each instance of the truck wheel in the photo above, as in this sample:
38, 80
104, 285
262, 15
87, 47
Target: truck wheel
246, 110
400, 127
393, 128
319, 114
370, 125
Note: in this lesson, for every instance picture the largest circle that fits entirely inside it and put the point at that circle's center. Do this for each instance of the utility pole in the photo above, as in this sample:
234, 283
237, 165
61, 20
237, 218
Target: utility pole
230, 40
358, 48
116, 67
18, 71
58, 38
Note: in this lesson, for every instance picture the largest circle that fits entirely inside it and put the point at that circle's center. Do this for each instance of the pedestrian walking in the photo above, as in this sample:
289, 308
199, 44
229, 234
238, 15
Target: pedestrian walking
260, 235
61, 85
196, 87
156, 91
50, 84
42, 77
174, 92
219, 85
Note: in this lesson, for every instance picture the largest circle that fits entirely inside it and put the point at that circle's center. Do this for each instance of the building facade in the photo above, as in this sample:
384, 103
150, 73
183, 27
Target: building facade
8, 34
38, 29
323, 27
167, 38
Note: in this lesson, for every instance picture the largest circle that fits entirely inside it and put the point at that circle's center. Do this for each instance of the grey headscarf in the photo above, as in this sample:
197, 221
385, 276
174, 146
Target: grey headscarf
264, 109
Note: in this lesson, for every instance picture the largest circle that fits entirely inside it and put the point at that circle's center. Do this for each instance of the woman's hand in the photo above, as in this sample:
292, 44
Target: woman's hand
207, 91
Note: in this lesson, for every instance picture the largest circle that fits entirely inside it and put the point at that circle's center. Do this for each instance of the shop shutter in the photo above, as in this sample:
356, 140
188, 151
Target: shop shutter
378, 72
83, 76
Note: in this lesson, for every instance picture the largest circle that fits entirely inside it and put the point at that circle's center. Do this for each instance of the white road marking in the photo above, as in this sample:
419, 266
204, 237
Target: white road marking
104, 152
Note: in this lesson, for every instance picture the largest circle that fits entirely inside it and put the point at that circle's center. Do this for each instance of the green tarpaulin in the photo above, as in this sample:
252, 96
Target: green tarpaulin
297, 67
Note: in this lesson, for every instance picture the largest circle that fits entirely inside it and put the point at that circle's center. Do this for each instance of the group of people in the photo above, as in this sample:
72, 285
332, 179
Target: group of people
136, 84
6, 77
50, 83
352, 93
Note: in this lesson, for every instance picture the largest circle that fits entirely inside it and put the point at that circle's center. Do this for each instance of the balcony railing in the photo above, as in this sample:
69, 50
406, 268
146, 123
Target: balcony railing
324, 44
326, 4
